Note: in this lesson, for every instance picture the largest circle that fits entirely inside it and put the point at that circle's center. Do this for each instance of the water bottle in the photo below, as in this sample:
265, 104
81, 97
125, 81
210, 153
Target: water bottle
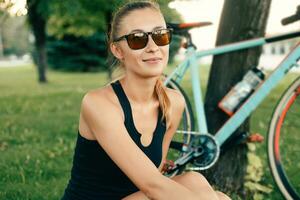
241, 91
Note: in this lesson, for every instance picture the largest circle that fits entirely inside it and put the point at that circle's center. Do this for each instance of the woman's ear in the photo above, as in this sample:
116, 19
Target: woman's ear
116, 51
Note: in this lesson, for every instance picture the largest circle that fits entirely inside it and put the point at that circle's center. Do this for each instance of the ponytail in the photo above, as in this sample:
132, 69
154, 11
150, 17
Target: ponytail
164, 100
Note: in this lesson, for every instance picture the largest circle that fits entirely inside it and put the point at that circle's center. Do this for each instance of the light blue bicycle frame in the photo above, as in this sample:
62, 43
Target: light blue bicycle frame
191, 61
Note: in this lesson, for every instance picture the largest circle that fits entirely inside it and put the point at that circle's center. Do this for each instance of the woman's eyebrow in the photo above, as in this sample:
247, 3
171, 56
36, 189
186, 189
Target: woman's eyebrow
140, 30
158, 27
137, 30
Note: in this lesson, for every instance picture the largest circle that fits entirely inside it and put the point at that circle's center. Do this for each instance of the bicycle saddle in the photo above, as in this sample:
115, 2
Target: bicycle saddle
180, 28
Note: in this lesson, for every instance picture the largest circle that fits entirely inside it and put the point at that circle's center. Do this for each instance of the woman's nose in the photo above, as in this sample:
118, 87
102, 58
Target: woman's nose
151, 46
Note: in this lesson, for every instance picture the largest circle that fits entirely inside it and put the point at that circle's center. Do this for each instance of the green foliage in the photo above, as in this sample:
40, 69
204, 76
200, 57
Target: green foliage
73, 53
15, 36
42, 7
76, 29
255, 174
84, 18
79, 18
75, 23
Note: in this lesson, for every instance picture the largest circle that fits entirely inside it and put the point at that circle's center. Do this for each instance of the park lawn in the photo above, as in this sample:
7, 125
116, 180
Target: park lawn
38, 129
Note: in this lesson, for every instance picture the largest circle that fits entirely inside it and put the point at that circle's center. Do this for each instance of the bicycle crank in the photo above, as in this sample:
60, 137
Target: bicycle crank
207, 151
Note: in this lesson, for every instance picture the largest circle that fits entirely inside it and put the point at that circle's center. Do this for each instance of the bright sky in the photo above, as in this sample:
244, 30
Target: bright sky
204, 10
18, 8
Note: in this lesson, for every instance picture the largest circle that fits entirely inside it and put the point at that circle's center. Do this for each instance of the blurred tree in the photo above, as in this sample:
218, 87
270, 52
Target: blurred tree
4, 7
12, 31
78, 41
227, 70
84, 21
16, 36
77, 53
84, 18
38, 13
79, 20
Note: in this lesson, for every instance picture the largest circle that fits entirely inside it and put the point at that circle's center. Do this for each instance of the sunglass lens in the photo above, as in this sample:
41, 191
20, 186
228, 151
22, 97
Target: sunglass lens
137, 40
162, 38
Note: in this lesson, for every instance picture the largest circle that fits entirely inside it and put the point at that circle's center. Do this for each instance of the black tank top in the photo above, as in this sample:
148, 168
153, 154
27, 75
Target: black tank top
94, 175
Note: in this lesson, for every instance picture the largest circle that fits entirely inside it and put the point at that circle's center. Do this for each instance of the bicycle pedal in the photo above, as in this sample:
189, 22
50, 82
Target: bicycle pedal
255, 137
168, 164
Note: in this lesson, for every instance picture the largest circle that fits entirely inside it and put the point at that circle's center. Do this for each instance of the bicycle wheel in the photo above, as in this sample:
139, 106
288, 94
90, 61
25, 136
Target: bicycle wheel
284, 142
182, 138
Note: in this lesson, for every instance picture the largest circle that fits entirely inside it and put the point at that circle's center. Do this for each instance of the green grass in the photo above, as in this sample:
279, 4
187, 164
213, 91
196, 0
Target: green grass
38, 127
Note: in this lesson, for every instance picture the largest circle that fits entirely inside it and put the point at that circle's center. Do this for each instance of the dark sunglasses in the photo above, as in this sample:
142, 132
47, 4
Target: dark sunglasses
139, 40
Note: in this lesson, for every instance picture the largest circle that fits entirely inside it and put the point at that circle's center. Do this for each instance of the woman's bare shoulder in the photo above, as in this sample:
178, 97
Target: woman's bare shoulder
102, 101
176, 98
101, 97
98, 102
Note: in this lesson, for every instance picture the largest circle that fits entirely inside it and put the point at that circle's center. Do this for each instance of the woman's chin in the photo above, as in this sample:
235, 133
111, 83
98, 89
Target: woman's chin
156, 72
152, 74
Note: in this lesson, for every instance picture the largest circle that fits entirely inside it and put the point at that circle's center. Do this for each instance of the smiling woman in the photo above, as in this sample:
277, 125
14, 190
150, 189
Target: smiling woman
125, 128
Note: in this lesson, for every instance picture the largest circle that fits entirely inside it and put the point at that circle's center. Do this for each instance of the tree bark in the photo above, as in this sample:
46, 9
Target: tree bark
240, 20
38, 24
108, 17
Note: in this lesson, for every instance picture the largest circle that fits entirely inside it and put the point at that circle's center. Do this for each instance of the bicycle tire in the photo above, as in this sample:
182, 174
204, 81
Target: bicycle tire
283, 132
180, 141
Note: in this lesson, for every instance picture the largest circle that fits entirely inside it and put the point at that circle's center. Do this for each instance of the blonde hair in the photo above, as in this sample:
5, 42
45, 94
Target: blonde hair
115, 64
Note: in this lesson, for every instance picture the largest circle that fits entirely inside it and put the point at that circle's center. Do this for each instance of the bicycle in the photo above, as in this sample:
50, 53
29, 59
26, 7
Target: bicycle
202, 149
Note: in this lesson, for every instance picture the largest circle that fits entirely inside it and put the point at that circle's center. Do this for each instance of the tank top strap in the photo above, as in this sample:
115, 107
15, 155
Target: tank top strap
125, 104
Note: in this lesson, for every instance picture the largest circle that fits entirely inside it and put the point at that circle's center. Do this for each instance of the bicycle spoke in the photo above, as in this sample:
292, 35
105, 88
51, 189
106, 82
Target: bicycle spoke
188, 132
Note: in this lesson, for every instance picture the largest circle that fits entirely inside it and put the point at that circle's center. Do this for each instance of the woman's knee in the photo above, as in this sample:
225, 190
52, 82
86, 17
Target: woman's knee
197, 183
196, 177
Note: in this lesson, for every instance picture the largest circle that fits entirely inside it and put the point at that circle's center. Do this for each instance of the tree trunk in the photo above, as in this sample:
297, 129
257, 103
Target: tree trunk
41, 62
108, 16
240, 20
38, 24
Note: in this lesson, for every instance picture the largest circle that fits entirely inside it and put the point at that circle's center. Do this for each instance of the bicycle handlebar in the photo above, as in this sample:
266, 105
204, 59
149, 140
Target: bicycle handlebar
293, 18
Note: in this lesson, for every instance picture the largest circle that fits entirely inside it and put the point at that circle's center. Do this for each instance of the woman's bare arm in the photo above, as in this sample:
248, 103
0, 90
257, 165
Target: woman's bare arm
104, 120
177, 106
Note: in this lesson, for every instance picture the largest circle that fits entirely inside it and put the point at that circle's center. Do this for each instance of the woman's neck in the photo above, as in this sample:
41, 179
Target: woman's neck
140, 91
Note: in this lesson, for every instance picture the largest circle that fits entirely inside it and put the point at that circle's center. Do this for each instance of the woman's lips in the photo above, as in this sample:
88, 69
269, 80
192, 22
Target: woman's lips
152, 60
